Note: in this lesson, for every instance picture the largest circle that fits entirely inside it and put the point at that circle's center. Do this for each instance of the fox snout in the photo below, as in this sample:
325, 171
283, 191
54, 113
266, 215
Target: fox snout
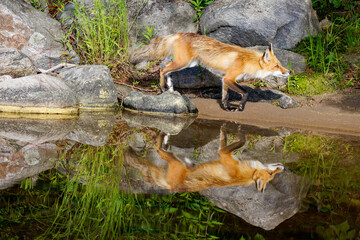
284, 73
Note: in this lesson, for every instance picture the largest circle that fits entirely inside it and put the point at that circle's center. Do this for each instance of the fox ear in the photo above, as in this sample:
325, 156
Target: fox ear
266, 56
271, 48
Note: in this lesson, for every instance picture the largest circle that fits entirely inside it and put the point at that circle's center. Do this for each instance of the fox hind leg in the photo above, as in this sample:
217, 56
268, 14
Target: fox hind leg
237, 88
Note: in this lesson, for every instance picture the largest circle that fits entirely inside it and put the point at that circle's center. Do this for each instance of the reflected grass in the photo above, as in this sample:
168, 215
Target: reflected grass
92, 205
332, 167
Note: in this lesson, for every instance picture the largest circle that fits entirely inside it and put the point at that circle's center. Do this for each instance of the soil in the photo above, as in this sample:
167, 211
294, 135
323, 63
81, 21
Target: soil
330, 113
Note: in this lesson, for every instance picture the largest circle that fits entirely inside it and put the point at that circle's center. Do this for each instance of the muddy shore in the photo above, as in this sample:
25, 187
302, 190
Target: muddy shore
337, 113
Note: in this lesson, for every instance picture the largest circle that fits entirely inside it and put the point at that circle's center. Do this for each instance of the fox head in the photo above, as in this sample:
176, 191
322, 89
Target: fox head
271, 66
262, 176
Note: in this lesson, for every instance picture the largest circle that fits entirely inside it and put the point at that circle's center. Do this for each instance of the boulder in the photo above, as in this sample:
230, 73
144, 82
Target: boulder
167, 17
249, 23
93, 86
37, 94
33, 33
15, 63
166, 103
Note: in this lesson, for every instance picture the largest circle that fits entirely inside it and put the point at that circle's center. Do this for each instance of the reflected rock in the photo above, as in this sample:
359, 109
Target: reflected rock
29, 161
168, 124
92, 128
280, 201
35, 131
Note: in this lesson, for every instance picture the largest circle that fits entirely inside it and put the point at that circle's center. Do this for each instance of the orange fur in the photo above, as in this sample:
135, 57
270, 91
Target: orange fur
237, 64
225, 171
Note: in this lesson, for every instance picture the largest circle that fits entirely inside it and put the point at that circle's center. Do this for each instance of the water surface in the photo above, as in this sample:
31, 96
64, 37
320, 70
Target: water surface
129, 176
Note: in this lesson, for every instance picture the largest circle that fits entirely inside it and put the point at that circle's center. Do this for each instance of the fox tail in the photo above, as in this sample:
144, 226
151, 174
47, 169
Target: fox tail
159, 47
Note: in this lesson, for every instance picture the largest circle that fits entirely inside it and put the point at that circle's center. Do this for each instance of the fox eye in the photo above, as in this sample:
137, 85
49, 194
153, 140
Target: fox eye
277, 66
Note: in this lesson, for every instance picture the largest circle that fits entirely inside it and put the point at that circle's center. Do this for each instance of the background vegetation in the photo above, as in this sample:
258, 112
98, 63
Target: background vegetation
333, 56
101, 36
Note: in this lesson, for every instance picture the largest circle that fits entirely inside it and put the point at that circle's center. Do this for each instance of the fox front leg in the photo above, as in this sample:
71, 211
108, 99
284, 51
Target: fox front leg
225, 97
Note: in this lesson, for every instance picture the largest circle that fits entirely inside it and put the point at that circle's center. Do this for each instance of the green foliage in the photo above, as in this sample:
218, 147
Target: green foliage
325, 7
148, 34
100, 35
199, 5
337, 232
309, 84
325, 54
38, 4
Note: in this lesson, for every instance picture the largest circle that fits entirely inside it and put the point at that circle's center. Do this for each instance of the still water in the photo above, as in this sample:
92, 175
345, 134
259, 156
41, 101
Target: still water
143, 177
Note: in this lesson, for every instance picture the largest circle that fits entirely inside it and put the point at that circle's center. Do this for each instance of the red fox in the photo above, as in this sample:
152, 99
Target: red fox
235, 63
225, 171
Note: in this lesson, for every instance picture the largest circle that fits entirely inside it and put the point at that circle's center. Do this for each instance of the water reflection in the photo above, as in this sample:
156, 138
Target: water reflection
187, 176
237, 168
31, 146
217, 160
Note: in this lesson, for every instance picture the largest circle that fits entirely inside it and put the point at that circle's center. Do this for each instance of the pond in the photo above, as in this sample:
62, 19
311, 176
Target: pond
129, 176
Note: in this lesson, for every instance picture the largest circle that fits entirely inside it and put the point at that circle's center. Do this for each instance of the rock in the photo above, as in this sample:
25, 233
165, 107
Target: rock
166, 103
168, 124
37, 94
15, 63
5, 77
280, 200
272, 96
257, 95
249, 23
122, 91
33, 33
93, 86
168, 17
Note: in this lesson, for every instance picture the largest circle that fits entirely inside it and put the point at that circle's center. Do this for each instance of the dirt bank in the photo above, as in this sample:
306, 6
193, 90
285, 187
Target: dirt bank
332, 113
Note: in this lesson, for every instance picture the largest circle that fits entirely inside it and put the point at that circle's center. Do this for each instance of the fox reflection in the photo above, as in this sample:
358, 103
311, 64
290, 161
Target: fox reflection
225, 171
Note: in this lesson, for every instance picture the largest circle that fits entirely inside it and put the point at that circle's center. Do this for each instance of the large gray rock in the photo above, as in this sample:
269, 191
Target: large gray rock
259, 22
166, 103
15, 63
168, 17
33, 33
93, 86
37, 94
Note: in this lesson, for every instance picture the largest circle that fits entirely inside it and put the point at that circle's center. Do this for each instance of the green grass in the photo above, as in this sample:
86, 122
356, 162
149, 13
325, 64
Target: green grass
329, 68
101, 34
92, 205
